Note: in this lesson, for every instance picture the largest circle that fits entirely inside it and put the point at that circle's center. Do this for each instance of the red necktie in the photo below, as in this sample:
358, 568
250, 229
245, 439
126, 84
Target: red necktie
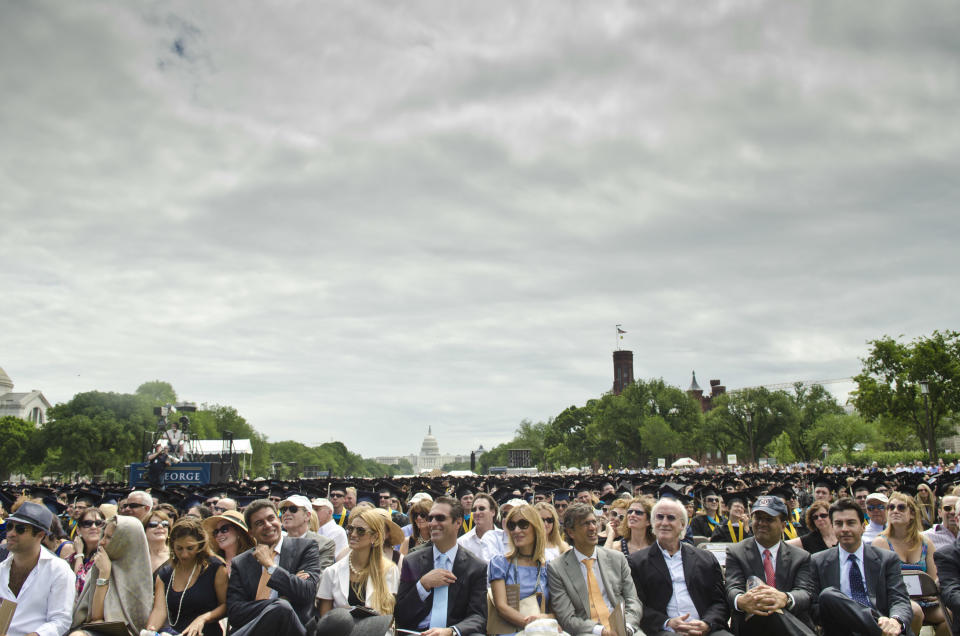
768, 569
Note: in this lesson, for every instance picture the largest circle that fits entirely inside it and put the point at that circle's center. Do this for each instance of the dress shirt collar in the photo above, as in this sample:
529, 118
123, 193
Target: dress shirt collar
667, 555
844, 555
580, 556
773, 551
450, 554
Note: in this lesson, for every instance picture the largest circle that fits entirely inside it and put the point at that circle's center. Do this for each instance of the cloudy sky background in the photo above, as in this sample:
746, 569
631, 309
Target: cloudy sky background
354, 220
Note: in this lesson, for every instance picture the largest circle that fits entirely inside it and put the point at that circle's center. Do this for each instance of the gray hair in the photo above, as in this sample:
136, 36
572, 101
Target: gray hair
575, 515
670, 500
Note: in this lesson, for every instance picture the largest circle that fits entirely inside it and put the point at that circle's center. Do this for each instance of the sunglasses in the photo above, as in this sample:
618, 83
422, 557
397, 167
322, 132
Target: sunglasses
132, 505
437, 518
286, 509
337, 495
19, 528
419, 515
660, 517
546, 520
822, 515
639, 513
900, 507
712, 500
158, 524
619, 517
948, 508
355, 529
89, 523
876, 507
523, 524
211, 502
224, 529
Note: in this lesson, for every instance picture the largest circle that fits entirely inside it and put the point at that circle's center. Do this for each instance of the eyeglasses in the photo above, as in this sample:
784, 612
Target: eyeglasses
437, 518
523, 524
637, 511
355, 529
822, 515
224, 529
900, 507
660, 517
546, 520
619, 517
89, 523
19, 528
158, 524
338, 495
872, 507
128, 504
712, 500
286, 509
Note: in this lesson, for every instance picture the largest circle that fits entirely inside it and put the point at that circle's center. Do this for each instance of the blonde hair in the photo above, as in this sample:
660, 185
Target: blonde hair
383, 601
554, 537
929, 507
529, 513
913, 537
314, 523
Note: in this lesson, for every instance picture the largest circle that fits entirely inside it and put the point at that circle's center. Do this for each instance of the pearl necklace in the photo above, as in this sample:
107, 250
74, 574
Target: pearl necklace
173, 575
350, 563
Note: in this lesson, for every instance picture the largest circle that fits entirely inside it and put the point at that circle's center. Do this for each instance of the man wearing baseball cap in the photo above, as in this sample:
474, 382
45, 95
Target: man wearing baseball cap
767, 579
876, 507
40, 583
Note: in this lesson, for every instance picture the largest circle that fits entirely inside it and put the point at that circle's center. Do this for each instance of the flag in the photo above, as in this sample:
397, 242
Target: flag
619, 330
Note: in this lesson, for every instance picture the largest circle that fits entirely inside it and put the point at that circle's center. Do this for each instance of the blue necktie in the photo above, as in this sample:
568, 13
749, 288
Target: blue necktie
438, 615
857, 591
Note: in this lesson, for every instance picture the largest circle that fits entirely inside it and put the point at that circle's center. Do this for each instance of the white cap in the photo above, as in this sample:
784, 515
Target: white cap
321, 502
297, 500
420, 496
878, 496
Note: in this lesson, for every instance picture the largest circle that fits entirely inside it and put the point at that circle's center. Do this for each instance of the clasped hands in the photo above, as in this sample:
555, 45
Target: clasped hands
763, 600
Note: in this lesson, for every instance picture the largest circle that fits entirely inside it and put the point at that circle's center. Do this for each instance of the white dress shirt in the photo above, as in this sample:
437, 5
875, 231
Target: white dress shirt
484, 548
845, 564
871, 532
680, 602
45, 604
940, 536
339, 535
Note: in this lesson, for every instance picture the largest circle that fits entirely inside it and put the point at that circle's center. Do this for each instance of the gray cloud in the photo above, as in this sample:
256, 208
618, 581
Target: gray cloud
350, 219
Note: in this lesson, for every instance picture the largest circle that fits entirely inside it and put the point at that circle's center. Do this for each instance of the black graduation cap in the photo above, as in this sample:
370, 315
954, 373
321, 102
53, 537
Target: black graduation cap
670, 490
369, 496
822, 481
784, 492
743, 497
562, 494
464, 490
861, 484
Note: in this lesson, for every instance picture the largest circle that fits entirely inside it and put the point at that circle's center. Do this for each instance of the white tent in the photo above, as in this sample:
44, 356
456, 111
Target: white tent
219, 447
684, 462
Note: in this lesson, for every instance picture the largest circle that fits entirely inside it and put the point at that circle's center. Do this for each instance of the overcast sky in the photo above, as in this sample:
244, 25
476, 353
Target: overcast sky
352, 220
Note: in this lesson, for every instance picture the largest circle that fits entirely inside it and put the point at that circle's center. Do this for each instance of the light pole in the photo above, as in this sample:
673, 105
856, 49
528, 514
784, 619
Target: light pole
931, 438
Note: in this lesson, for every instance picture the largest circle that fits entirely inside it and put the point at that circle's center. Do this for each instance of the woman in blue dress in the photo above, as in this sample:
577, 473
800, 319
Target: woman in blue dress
524, 564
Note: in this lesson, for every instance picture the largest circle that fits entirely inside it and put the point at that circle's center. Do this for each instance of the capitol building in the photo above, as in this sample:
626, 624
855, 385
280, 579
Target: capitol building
429, 457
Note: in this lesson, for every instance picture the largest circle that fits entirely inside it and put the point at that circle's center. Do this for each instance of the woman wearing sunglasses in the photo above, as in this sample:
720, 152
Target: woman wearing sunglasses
229, 534
89, 526
418, 519
524, 564
190, 592
551, 525
902, 536
636, 530
927, 505
157, 527
821, 534
365, 577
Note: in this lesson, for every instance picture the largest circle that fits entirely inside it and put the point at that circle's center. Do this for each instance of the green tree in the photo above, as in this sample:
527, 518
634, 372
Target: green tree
843, 432
565, 437
157, 392
782, 449
16, 435
812, 403
755, 416
889, 384
660, 439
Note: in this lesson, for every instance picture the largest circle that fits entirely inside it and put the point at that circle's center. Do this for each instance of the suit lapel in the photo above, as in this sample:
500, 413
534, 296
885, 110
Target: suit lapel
753, 559
457, 568
577, 580
783, 567
833, 567
692, 576
871, 569
605, 575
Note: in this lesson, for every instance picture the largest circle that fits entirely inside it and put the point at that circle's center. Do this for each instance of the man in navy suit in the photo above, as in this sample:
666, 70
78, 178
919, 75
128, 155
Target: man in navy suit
443, 590
857, 588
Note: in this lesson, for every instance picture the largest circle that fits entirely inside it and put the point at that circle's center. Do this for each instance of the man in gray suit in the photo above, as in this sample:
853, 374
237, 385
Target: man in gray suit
782, 577
589, 583
272, 586
856, 588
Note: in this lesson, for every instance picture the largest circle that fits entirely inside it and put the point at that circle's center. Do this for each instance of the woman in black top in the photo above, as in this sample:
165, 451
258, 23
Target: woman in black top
190, 592
821, 536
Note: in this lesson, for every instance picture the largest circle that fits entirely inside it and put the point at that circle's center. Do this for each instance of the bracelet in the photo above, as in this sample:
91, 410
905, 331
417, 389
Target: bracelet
102, 582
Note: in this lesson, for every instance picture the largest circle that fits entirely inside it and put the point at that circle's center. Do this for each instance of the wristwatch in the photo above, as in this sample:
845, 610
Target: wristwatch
102, 582
903, 624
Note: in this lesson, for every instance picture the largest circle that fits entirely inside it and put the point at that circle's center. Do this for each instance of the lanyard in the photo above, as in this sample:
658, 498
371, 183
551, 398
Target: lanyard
343, 517
713, 523
467, 523
733, 537
789, 531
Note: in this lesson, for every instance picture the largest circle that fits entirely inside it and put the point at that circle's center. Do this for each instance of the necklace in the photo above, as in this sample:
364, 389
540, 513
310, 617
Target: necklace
173, 575
357, 571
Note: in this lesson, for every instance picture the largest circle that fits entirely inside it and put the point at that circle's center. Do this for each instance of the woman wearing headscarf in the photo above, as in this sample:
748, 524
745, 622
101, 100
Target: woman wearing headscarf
124, 583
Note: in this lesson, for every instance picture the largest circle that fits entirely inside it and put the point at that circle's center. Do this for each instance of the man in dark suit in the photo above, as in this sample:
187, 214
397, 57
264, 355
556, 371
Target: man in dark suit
443, 590
782, 577
857, 588
948, 571
681, 587
578, 610
272, 587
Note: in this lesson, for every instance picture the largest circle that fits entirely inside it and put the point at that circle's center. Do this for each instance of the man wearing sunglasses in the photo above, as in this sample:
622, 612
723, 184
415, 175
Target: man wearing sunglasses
443, 589
681, 587
41, 584
944, 533
876, 506
295, 516
589, 583
857, 588
137, 504
778, 602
